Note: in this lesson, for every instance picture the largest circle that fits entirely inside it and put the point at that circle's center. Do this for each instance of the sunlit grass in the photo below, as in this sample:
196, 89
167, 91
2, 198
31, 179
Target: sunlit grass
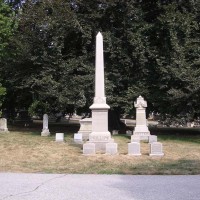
27, 151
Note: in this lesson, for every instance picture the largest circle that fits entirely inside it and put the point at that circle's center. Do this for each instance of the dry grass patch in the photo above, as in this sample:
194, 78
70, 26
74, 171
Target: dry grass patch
29, 152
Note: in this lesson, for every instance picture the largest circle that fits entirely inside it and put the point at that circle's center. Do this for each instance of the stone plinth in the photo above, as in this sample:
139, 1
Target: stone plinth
3, 125
156, 149
152, 138
85, 128
135, 138
45, 130
59, 137
111, 148
78, 138
134, 149
88, 148
141, 128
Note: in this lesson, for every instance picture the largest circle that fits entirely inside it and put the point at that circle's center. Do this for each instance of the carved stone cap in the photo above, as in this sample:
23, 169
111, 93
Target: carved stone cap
140, 102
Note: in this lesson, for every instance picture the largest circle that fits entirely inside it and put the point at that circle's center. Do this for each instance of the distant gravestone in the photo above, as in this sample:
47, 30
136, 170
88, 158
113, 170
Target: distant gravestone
45, 130
3, 125
59, 137
152, 138
78, 138
141, 128
134, 149
88, 149
156, 149
129, 133
135, 138
115, 132
111, 148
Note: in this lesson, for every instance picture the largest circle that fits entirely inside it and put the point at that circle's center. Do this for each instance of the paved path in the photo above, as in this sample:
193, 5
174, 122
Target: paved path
98, 187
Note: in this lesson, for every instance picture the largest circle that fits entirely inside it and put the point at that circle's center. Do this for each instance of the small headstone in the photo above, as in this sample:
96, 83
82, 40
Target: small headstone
115, 132
78, 138
88, 148
129, 132
3, 125
59, 137
135, 138
111, 148
156, 149
152, 138
45, 130
134, 149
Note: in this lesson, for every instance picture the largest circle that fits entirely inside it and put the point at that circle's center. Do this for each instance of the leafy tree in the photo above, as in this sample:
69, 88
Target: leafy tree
7, 27
151, 48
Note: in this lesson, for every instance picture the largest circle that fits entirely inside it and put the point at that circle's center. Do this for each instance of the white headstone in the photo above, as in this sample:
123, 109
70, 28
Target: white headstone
88, 148
3, 125
59, 137
111, 148
85, 128
156, 149
100, 134
135, 138
134, 149
141, 128
45, 130
115, 132
152, 138
78, 138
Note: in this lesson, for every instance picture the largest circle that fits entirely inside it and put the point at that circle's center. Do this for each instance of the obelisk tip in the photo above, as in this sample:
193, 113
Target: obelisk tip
99, 34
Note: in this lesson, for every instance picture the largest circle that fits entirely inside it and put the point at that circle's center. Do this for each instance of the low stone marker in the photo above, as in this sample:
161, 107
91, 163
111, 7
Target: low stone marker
111, 148
45, 130
156, 149
129, 132
152, 138
135, 138
78, 138
134, 149
3, 125
88, 148
115, 132
59, 137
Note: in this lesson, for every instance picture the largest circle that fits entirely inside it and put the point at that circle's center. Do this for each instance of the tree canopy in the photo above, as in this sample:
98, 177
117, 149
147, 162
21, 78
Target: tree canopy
151, 48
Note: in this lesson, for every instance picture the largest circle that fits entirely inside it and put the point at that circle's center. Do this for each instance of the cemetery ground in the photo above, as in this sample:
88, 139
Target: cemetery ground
24, 150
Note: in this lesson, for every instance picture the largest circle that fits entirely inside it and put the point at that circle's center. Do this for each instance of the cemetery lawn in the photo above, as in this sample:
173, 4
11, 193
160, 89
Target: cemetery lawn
24, 150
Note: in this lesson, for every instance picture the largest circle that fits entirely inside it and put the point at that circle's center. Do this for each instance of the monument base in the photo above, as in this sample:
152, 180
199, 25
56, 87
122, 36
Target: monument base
45, 132
4, 130
142, 131
142, 135
100, 139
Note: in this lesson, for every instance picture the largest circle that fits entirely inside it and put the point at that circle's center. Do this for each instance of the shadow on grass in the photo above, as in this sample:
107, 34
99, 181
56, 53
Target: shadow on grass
179, 167
181, 138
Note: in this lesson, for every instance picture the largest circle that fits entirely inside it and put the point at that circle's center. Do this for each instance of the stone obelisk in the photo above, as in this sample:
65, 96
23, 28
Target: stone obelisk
100, 135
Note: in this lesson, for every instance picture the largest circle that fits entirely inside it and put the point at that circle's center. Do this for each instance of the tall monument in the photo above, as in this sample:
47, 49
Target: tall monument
100, 135
141, 128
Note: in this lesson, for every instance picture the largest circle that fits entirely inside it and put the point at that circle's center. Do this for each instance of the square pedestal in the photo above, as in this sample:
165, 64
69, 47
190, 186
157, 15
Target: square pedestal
134, 149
